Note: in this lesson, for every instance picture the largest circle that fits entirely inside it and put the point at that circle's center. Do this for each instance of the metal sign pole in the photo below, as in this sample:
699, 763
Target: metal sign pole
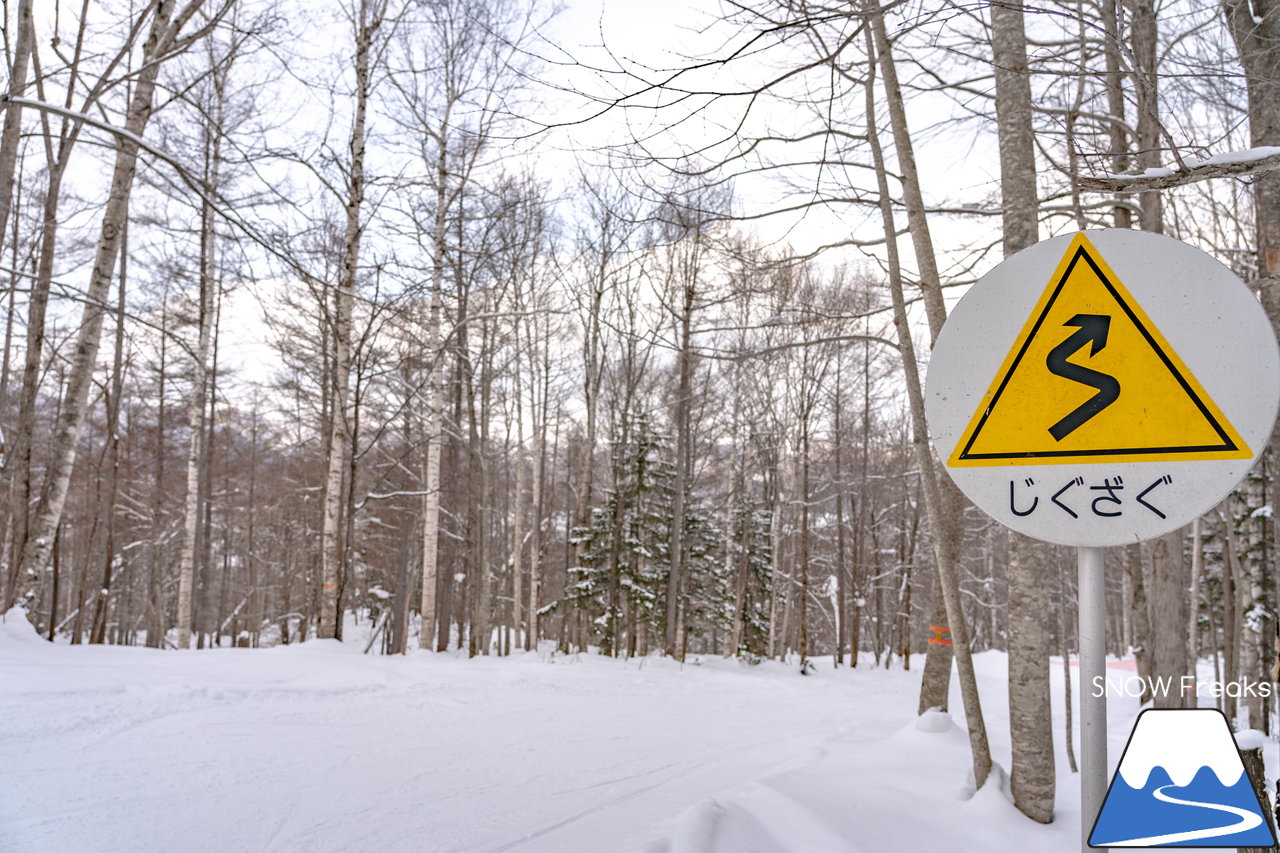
1093, 670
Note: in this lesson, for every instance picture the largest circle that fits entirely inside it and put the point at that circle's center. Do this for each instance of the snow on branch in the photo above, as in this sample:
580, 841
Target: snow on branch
1232, 164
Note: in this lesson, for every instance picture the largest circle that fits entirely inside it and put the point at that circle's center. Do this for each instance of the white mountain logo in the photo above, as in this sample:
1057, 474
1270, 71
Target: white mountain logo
1181, 783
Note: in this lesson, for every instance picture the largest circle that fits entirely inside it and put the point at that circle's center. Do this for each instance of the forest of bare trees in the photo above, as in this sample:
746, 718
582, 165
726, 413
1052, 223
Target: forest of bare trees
322, 315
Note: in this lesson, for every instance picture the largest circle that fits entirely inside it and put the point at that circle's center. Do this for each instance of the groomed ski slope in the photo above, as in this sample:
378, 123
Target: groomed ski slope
318, 747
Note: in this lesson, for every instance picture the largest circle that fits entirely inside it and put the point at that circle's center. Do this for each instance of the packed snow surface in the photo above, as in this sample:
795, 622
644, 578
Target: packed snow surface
319, 747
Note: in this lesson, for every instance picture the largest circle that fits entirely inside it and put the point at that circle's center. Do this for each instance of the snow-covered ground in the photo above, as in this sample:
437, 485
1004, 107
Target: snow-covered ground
319, 747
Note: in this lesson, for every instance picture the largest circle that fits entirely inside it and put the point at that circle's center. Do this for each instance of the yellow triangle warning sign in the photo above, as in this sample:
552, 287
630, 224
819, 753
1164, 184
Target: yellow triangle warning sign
1091, 379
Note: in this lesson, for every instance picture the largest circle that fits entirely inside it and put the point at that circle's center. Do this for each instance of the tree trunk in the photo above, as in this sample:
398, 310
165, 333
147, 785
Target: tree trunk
20, 450
842, 565
434, 436
477, 481
859, 513
592, 375
1116, 128
1145, 44
775, 568
1140, 618
804, 546
935, 684
251, 551
205, 615
160, 44
57, 573
156, 611
1030, 710
1256, 770
1230, 613
1255, 29
623, 495
1030, 716
517, 531
1193, 609
943, 506
98, 632
196, 449
366, 25
539, 415
738, 564
1064, 649
1253, 634
684, 390
11, 134
1168, 610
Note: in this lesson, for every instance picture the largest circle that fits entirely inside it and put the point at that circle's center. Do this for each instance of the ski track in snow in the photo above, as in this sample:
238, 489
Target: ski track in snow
1248, 820
318, 747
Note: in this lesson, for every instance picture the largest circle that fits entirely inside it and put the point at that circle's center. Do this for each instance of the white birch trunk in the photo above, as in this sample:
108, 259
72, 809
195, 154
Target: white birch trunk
367, 23
941, 505
535, 564
517, 553
775, 568
431, 471
11, 135
196, 403
161, 42
1032, 776
517, 526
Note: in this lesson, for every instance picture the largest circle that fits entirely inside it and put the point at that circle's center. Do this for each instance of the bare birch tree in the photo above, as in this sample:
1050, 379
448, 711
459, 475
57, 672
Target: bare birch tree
367, 18
213, 128
12, 129
1030, 716
166, 39
941, 498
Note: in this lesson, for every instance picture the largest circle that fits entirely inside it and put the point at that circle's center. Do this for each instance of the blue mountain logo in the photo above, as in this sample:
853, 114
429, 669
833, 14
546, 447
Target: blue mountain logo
1181, 783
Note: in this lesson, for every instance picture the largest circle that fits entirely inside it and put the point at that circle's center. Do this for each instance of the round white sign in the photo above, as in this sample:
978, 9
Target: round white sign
1103, 388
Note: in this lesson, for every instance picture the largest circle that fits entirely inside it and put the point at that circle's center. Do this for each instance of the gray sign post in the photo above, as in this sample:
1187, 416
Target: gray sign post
1093, 708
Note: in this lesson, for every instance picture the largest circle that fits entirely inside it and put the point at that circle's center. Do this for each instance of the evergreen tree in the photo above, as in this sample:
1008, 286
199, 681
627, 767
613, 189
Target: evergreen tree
751, 559
624, 553
708, 582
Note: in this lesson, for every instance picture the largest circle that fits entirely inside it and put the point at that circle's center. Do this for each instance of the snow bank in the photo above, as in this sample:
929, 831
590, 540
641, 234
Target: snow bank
16, 628
318, 747
1250, 739
934, 721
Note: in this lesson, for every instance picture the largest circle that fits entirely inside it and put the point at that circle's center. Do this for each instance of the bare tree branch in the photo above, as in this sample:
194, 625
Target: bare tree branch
1235, 164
